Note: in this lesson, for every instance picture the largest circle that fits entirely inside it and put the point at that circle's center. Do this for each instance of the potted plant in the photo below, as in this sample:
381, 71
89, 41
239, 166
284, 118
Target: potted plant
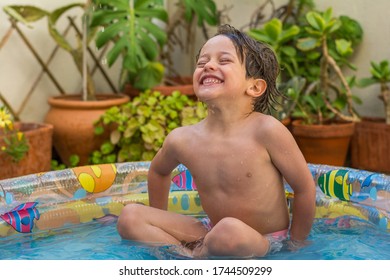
321, 102
279, 36
186, 19
25, 148
370, 142
142, 125
71, 113
133, 28
141, 34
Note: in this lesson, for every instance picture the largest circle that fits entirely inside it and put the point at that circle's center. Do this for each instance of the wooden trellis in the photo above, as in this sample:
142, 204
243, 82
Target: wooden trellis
44, 64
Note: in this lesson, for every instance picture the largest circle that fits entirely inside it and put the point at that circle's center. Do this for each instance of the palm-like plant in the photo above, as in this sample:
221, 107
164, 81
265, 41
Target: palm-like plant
135, 35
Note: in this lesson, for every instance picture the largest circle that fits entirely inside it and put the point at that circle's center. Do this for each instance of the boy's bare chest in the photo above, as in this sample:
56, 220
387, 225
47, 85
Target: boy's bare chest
228, 149
226, 162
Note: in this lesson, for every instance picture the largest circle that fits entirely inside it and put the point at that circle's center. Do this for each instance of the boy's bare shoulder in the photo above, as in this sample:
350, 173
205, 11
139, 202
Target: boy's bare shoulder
181, 134
267, 122
268, 127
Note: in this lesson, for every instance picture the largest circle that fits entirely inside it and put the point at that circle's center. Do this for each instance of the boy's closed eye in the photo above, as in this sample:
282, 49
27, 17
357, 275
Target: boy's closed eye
201, 64
225, 60
222, 61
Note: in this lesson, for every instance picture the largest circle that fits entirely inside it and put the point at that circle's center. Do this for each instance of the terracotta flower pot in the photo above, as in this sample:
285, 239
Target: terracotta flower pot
38, 157
182, 84
370, 145
73, 121
324, 144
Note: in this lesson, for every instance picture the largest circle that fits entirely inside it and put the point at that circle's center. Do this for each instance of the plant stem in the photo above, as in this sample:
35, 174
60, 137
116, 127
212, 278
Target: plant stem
386, 100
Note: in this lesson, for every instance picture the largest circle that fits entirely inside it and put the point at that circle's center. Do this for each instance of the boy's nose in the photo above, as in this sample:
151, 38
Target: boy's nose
210, 65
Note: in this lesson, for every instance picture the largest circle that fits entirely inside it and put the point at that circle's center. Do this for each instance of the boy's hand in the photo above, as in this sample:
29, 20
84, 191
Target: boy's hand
295, 245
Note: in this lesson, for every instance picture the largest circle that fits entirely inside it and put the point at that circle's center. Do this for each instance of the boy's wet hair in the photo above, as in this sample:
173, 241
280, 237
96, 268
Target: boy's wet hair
260, 63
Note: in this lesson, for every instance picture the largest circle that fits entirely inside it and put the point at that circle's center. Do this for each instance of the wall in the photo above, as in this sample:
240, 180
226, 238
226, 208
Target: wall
19, 69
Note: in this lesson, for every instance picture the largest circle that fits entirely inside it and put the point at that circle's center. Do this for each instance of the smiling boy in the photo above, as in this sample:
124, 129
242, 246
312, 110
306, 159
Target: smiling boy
238, 157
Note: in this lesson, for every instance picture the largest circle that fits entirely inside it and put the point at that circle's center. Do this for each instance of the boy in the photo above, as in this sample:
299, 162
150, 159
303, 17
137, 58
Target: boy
238, 158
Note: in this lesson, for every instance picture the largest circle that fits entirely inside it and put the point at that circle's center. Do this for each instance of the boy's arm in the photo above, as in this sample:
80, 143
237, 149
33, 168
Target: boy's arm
159, 175
303, 212
289, 160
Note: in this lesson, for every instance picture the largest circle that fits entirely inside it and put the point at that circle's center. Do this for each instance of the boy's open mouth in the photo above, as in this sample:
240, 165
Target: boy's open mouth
207, 80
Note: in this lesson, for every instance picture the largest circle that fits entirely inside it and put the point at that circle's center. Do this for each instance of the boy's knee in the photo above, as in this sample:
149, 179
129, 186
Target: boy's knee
225, 238
129, 219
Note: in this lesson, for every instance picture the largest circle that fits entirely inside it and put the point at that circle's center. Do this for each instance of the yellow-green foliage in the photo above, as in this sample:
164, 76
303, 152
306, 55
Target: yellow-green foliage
142, 125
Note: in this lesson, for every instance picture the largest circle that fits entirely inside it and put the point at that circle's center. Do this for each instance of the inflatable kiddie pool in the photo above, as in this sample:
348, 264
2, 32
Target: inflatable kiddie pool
48, 203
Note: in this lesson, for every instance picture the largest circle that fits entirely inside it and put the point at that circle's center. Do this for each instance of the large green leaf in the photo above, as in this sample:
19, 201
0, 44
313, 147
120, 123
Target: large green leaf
157, 13
118, 4
52, 20
205, 10
116, 50
148, 45
135, 35
103, 17
25, 14
155, 31
111, 32
150, 75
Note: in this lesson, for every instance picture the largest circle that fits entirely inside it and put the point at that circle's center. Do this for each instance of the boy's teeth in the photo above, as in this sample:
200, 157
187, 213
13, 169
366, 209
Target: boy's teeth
211, 81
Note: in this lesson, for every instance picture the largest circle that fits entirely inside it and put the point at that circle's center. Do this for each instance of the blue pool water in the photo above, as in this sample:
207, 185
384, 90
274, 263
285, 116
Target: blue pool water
96, 241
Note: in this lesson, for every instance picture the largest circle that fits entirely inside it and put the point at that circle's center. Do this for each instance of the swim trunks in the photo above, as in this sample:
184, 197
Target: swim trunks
194, 244
206, 223
275, 240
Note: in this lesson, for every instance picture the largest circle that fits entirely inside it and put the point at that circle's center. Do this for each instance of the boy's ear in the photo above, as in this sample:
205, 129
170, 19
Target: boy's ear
257, 87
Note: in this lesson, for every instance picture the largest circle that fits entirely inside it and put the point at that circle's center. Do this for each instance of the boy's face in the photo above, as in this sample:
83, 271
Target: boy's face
219, 70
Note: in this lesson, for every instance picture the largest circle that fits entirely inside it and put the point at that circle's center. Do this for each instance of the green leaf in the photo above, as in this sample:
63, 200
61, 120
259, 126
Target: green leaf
118, 4
273, 29
74, 160
103, 17
333, 26
154, 31
259, 35
109, 33
99, 130
289, 34
149, 76
57, 13
307, 44
135, 35
116, 50
149, 46
339, 103
365, 82
107, 148
315, 20
25, 14
155, 12
344, 47
52, 20
205, 10
289, 51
